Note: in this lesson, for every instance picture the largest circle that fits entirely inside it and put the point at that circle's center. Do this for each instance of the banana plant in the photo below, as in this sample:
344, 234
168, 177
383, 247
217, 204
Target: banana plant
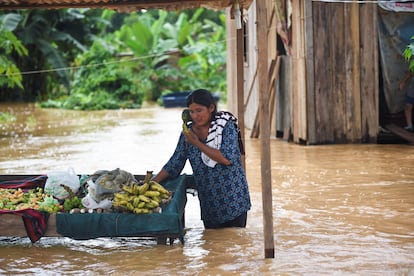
52, 39
204, 60
183, 29
10, 75
144, 39
40, 33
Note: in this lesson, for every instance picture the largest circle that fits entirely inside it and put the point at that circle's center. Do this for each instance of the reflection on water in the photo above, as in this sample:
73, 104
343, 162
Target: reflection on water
135, 140
338, 209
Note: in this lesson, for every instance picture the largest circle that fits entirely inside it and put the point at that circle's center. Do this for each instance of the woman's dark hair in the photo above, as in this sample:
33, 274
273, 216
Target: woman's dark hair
202, 97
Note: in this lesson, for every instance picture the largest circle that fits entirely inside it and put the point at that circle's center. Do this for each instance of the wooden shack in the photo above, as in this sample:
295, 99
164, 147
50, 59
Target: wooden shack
323, 71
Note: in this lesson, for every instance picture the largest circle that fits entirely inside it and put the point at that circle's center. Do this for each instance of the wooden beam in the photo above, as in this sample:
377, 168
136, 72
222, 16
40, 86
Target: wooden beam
261, 13
296, 47
401, 132
354, 117
128, 5
240, 83
369, 81
310, 73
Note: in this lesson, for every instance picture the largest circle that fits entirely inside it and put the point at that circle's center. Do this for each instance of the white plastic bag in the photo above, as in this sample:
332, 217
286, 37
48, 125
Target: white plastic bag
55, 180
90, 203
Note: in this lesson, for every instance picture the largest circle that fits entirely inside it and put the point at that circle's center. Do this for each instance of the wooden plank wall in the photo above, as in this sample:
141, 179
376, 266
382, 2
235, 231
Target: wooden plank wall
344, 75
299, 103
334, 72
369, 73
310, 74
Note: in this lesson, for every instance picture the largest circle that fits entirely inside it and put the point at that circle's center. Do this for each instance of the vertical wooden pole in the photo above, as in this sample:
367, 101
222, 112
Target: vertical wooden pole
261, 13
240, 82
356, 74
299, 68
309, 72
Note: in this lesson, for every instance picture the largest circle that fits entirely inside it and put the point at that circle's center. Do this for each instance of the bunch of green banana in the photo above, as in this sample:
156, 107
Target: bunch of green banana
142, 199
72, 203
185, 116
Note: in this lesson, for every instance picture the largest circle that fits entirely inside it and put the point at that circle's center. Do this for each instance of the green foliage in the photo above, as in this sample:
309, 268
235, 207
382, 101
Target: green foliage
204, 64
6, 118
100, 82
177, 51
10, 75
144, 38
53, 38
409, 55
120, 59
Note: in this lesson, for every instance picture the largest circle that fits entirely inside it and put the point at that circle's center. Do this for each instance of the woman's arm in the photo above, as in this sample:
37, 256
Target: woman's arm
163, 174
175, 164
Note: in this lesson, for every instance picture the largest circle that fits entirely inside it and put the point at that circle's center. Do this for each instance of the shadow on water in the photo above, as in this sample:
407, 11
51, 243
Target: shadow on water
337, 209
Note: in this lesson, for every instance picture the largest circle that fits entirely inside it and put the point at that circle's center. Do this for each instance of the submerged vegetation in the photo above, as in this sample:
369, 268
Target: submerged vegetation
6, 118
91, 59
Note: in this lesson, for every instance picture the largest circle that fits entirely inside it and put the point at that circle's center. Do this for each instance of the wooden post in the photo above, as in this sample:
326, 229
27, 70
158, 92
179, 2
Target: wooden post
262, 42
356, 75
299, 79
240, 82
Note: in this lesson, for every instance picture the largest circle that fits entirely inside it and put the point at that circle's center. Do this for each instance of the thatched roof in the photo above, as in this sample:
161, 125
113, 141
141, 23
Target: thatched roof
121, 5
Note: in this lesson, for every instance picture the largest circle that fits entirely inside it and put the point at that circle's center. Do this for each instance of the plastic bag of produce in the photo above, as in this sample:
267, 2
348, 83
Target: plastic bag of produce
56, 180
90, 203
103, 184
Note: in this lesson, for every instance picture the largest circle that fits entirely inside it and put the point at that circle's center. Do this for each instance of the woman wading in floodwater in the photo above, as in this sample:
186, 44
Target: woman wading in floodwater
213, 146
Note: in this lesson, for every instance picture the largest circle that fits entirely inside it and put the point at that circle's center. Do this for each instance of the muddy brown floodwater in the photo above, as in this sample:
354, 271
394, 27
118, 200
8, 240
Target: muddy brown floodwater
337, 209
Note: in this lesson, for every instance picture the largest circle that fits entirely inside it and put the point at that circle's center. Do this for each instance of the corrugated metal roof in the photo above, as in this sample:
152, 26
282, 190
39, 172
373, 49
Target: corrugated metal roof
121, 5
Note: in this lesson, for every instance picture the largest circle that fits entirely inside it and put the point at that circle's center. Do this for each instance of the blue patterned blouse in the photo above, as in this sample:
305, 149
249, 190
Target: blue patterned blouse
223, 190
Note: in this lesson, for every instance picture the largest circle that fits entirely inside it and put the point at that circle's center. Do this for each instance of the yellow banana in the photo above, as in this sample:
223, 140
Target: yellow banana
156, 198
135, 189
155, 203
129, 206
141, 211
143, 188
127, 189
150, 205
120, 196
144, 198
123, 203
152, 193
165, 196
158, 187
116, 204
136, 201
